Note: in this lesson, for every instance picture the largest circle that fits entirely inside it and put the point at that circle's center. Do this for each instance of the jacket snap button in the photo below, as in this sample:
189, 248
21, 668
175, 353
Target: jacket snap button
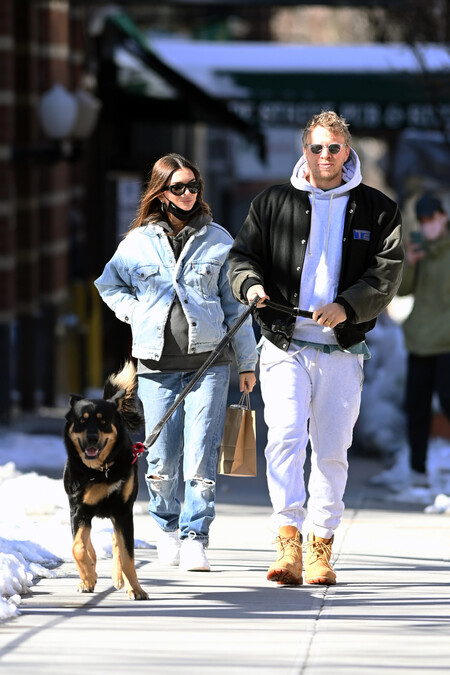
194, 323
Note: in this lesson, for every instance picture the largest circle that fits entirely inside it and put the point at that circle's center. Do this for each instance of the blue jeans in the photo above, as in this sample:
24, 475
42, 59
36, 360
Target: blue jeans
195, 429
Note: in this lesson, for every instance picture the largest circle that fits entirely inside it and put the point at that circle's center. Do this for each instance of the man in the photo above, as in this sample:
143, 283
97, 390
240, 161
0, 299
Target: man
427, 328
328, 244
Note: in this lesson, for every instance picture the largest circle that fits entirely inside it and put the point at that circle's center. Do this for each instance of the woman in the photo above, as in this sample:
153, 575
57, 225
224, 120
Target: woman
168, 280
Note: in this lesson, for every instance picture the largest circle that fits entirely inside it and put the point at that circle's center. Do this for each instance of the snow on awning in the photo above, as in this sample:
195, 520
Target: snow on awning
392, 86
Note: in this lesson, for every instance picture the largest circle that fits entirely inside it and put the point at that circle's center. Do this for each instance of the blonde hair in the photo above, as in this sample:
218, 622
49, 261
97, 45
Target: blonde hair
150, 206
330, 120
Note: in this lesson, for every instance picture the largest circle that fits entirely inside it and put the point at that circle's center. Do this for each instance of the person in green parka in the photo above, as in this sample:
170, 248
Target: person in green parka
426, 275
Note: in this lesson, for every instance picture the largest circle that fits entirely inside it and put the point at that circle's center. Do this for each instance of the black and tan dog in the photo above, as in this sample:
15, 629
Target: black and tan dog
100, 477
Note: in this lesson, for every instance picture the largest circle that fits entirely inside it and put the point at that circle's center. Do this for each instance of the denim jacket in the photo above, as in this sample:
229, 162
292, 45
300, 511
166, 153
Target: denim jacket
142, 278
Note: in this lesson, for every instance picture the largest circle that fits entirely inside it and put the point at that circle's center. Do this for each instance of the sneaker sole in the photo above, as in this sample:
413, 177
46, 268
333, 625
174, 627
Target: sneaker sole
284, 577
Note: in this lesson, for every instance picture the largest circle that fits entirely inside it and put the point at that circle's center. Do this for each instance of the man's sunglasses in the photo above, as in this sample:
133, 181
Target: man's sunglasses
334, 148
179, 189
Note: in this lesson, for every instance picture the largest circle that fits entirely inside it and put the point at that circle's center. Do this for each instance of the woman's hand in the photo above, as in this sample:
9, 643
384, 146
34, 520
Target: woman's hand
246, 382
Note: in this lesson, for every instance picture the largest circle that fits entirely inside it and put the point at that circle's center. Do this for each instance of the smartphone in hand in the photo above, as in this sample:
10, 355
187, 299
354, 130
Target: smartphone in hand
417, 238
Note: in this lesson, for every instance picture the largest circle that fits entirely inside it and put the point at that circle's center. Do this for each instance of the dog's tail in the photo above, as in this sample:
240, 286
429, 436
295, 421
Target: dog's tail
128, 405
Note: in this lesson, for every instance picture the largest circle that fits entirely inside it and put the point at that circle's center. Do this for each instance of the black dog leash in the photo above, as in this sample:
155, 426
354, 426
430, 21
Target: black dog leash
151, 438
293, 311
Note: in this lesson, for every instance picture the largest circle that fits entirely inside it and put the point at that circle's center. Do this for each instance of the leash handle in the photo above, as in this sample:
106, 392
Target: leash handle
293, 311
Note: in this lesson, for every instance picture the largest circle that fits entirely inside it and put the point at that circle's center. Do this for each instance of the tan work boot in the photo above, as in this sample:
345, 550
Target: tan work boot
287, 569
318, 569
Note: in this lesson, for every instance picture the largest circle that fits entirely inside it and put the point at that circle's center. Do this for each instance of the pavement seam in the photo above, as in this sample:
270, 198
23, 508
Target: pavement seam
314, 631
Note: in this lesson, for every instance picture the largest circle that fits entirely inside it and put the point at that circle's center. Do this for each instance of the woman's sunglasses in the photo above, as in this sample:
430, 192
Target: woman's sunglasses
334, 148
179, 189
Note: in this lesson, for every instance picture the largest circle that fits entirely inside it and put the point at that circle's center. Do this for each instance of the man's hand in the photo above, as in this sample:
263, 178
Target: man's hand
246, 382
257, 290
329, 315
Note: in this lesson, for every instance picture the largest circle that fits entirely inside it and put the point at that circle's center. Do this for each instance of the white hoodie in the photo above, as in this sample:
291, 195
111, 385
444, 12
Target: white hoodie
322, 264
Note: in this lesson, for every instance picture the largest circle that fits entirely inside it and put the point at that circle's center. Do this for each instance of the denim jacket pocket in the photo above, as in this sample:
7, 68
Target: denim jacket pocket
144, 278
206, 277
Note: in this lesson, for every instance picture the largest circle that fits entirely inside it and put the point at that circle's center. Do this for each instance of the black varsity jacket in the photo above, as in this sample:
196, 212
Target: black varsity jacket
270, 249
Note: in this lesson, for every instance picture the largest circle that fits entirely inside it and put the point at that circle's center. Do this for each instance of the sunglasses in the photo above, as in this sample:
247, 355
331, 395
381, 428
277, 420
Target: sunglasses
334, 148
179, 189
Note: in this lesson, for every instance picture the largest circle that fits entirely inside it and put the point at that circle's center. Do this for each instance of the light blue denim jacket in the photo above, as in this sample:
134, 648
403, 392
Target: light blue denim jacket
142, 278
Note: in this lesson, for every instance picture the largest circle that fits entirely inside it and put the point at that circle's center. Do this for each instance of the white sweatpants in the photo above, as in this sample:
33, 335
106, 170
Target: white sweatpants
309, 395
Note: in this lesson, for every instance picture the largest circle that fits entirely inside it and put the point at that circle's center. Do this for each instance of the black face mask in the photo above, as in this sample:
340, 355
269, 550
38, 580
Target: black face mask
182, 214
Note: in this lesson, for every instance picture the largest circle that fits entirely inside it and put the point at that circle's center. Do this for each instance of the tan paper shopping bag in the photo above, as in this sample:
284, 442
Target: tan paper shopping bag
238, 449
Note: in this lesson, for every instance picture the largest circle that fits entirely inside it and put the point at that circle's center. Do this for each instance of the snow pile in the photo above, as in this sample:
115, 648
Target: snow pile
407, 486
381, 426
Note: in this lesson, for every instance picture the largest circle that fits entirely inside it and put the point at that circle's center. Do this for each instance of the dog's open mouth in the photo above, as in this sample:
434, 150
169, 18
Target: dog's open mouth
92, 452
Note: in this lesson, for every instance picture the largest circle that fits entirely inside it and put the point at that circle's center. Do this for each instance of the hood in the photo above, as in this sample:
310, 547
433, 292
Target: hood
351, 173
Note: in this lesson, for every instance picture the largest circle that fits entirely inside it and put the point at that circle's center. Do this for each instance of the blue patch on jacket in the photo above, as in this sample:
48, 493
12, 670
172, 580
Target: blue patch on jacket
361, 234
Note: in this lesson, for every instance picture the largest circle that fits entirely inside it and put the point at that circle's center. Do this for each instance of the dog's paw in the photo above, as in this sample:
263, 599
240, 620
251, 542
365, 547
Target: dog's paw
118, 582
139, 594
86, 587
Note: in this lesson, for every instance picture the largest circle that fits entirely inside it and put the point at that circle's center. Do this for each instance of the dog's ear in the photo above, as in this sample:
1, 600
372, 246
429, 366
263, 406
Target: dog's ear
73, 398
117, 398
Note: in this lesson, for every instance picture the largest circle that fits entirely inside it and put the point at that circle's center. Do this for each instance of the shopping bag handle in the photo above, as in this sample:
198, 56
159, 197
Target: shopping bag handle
244, 401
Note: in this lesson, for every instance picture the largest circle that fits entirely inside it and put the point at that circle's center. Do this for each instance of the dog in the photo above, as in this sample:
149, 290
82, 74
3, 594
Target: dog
100, 477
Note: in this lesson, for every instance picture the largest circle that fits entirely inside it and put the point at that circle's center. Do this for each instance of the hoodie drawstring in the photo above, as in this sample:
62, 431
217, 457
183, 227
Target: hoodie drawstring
328, 227
313, 199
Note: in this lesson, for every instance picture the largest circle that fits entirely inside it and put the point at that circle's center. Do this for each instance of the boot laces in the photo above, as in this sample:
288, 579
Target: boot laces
319, 549
287, 543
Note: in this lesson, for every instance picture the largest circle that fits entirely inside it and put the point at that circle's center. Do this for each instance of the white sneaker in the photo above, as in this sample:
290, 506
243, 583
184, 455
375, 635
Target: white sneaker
168, 547
192, 556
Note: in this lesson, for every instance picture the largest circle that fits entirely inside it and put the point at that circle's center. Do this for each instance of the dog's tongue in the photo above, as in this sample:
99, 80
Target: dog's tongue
91, 452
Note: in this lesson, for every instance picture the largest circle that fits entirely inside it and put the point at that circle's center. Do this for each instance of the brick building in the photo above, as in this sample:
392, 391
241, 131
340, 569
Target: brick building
42, 196
58, 198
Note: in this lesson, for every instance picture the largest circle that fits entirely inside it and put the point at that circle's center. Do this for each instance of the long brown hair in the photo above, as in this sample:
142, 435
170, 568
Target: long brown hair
150, 206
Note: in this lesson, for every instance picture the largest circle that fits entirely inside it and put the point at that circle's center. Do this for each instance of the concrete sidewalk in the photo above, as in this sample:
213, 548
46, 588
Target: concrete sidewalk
389, 612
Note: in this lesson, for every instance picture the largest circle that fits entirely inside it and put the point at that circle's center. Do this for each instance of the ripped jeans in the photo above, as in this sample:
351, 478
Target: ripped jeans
195, 432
